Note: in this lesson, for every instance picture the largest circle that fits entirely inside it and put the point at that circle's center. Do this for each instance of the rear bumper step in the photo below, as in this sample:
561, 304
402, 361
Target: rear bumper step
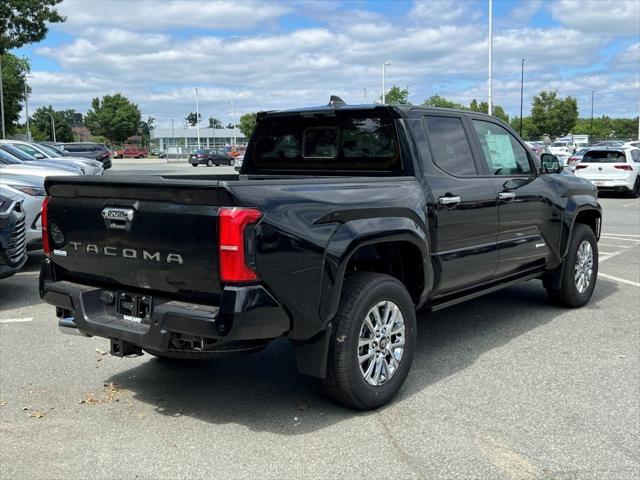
244, 313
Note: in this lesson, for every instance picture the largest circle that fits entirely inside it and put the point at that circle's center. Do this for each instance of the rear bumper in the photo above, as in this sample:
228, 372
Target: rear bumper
244, 313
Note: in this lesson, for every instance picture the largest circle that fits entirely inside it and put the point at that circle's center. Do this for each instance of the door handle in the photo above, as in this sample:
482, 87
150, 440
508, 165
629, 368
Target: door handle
506, 195
448, 200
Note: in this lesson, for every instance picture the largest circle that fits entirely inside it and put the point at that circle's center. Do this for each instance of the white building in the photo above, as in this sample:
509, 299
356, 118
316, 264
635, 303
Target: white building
185, 140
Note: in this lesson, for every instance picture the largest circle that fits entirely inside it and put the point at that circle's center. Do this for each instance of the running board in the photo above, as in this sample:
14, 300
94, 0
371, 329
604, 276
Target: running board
479, 293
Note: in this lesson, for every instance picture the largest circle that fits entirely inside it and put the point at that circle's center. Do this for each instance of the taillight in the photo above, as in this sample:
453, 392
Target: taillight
572, 160
578, 167
237, 249
624, 167
44, 220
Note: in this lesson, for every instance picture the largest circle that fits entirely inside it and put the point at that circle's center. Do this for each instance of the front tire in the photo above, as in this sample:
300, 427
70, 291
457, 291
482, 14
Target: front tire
579, 269
373, 343
232, 162
209, 163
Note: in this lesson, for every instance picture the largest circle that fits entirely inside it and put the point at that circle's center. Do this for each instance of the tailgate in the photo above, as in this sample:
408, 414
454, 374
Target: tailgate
152, 233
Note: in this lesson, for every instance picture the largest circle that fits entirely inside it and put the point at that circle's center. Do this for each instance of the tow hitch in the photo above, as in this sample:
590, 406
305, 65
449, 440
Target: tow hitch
120, 348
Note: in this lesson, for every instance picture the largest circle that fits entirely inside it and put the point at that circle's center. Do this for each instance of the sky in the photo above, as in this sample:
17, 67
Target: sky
266, 55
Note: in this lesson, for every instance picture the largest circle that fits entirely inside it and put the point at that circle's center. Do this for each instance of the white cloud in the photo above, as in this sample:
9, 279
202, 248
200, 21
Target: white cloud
155, 15
609, 17
438, 46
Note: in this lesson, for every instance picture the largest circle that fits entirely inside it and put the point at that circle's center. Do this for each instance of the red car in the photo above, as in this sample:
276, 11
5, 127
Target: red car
131, 152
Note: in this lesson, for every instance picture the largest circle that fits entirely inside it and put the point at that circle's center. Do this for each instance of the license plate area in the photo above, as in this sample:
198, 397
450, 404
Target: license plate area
134, 308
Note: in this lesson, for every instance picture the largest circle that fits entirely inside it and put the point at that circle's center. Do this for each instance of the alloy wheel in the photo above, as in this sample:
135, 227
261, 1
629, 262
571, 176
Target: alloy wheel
583, 269
381, 343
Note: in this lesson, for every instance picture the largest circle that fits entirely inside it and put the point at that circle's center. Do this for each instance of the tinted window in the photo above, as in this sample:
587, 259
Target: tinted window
343, 140
49, 151
26, 148
503, 153
449, 146
604, 156
8, 159
635, 154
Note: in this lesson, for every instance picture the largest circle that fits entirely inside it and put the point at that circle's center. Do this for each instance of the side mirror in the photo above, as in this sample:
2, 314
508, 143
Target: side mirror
38, 156
550, 163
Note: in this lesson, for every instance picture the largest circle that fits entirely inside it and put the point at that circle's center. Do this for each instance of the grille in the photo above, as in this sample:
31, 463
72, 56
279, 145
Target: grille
17, 243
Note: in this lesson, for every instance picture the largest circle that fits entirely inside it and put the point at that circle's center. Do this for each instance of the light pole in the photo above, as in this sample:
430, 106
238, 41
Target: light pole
26, 105
384, 72
197, 118
521, 93
365, 94
2, 100
234, 121
591, 124
53, 126
490, 84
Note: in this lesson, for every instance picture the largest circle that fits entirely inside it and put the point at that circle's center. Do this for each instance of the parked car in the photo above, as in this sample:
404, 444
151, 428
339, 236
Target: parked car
13, 251
239, 160
632, 144
94, 151
11, 156
211, 157
131, 152
609, 143
346, 220
159, 153
562, 148
42, 152
31, 187
612, 169
576, 157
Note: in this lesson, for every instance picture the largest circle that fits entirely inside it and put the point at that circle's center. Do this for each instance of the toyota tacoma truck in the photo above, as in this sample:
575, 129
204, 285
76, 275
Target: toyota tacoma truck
342, 223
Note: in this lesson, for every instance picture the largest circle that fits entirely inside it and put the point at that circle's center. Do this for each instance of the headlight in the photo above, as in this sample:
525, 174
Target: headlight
33, 191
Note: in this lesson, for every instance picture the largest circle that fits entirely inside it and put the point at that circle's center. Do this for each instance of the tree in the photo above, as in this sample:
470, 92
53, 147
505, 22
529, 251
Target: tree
115, 117
25, 21
527, 128
15, 89
396, 96
41, 127
214, 123
438, 101
146, 128
193, 120
552, 115
483, 107
247, 124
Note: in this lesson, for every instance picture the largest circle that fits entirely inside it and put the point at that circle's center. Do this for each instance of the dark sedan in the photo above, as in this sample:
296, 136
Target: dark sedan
211, 157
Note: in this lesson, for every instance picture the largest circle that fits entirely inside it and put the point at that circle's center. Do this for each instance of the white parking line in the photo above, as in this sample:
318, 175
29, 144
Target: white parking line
612, 245
619, 235
16, 320
619, 280
620, 239
610, 255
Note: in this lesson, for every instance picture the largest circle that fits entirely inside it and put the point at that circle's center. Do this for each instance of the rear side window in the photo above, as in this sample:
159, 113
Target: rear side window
604, 156
450, 146
340, 141
635, 155
503, 153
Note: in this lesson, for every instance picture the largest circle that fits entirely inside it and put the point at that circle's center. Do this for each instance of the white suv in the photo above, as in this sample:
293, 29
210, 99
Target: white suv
612, 169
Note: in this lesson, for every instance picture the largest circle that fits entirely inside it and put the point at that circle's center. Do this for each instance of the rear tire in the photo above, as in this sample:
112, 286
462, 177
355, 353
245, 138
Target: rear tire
635, 192
367, 367
232, 162
194, 164
209, 163
578, 275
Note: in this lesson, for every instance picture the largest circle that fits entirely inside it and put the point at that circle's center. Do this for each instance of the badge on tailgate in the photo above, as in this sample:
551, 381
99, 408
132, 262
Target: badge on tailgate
116, 218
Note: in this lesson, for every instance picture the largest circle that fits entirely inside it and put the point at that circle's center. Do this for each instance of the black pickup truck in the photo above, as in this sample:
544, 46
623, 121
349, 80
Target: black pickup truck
343, 222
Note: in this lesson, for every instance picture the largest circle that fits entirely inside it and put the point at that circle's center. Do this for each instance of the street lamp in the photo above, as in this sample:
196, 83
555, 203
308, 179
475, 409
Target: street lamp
26, 105
384, 72
197, 118
53, 125
521, 93
234, 120
365, 94
2, 101
490, 80
591, 124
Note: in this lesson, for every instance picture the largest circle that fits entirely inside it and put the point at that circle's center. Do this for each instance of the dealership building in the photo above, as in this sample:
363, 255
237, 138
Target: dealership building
185, 140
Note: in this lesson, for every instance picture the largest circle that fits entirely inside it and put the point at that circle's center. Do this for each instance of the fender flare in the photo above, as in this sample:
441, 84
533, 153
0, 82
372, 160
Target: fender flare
353, 235
574, 207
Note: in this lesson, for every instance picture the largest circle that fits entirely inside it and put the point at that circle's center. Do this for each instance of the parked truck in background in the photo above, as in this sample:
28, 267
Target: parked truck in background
344, 221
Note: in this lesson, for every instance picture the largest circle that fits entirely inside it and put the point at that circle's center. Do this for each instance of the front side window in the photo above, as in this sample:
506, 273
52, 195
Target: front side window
503, 153
449, 146
27, 148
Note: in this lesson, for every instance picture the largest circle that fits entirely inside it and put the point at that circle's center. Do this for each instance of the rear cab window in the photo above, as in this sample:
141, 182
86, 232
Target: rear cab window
604, 156
450, 147
332, 142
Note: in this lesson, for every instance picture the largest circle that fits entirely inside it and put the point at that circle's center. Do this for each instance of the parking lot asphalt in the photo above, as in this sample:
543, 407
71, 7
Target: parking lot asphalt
505, 386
